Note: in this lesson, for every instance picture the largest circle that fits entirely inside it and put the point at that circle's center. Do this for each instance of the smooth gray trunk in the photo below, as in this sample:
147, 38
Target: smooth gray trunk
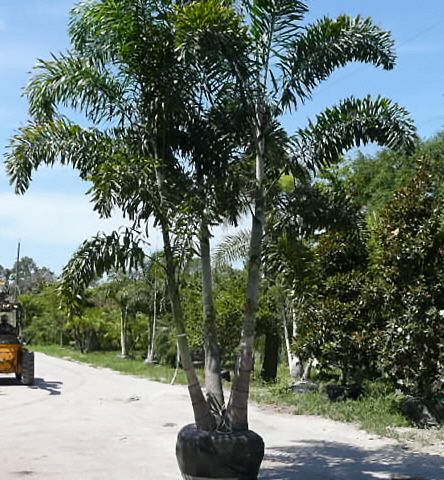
237, 411
307, 370
295, 364
202, 415
152, 333
123, 335
176, 369
287, 341
213, 380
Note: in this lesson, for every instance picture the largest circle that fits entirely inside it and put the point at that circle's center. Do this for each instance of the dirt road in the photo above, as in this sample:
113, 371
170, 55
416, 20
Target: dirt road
85, 423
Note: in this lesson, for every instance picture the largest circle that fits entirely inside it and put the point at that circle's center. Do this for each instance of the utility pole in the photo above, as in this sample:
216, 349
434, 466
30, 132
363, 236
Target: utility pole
16, 290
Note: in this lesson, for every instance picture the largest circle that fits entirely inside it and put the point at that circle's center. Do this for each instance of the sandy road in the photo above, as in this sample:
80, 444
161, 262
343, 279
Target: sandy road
85, 423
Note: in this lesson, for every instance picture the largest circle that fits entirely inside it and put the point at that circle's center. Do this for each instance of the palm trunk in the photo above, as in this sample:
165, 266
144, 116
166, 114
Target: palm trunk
176, 368
307, 370
295, 363
201, 411
123, 349
202, 415
271, 356
237, 411
152, 334
287, 341
213, 380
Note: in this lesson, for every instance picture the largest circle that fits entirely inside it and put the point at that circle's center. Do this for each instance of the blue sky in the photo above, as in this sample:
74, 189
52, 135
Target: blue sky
54, 216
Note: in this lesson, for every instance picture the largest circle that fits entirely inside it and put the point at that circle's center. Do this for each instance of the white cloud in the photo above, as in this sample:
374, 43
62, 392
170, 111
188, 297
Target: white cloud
58, 223
55, 219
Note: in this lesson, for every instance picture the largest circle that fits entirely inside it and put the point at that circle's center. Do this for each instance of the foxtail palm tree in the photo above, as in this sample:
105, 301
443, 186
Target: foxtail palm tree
124, 73
288, 59
137, 72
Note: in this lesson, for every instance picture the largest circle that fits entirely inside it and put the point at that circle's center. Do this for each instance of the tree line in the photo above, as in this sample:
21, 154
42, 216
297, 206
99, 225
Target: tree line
352, 278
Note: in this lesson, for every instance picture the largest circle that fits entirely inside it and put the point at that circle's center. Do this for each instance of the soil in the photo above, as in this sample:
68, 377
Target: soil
80, 422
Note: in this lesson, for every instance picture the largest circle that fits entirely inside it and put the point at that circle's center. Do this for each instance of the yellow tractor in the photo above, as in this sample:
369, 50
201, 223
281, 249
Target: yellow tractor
14, 357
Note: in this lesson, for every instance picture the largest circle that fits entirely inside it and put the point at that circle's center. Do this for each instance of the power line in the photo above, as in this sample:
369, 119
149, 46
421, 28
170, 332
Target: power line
405, 42
422, 32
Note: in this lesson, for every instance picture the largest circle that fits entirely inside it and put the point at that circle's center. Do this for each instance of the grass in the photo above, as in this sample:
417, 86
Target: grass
376, 412
129, 366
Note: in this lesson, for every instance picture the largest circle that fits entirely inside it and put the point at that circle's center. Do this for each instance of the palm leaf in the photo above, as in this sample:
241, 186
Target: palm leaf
327, 45
275, 22
232, 248
211, 36
354, 122
76, 83
118, 251
58, 141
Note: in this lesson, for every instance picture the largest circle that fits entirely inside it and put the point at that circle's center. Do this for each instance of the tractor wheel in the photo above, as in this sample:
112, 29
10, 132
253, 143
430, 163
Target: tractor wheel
27, 368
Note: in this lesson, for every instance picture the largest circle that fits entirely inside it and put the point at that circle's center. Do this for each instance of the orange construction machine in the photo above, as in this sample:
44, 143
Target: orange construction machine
14, 357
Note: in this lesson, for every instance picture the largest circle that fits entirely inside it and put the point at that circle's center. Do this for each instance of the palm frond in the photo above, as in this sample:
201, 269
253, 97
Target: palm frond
327, 45
108, 31
58, 141
232, 248
275, 22
96, 256
210, 35
352, 123
77, 83
125, 182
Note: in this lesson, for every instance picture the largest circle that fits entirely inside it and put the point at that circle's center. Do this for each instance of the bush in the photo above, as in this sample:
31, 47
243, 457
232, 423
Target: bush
409, 257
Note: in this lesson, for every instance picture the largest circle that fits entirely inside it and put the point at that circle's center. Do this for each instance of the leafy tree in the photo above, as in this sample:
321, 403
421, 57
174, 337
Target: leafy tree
44, 321
130, 297
338, 323
156, 299
408, 255
373, 180
288, 60
229, 298
31, 277
230, 302
269, 325
318, 252
216, 146
86, 326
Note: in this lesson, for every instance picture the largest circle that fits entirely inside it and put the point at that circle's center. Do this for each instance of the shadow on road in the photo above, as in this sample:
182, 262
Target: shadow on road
52, 387
314, 460
6, 381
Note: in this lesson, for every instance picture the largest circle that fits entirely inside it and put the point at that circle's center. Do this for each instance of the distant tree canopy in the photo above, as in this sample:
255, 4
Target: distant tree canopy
372, 180
31, 277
